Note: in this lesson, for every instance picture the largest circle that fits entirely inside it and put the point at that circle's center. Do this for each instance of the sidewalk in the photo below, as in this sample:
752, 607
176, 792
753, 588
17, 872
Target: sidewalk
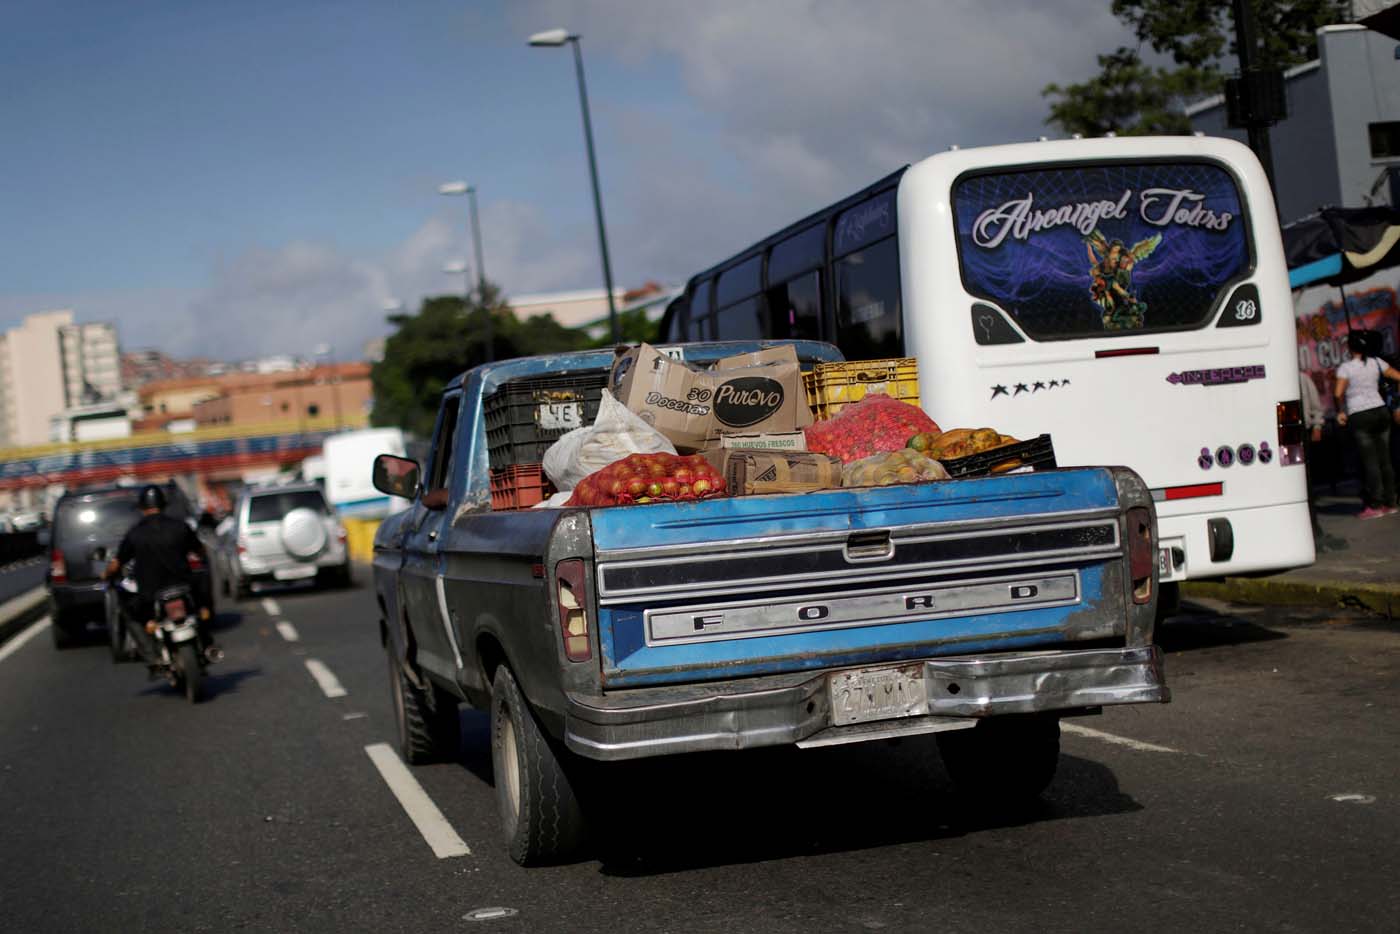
1366, 573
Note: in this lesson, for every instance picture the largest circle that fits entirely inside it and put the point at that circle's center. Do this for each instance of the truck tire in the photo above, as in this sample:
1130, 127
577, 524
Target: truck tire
426, 733
1003, 760
541, 818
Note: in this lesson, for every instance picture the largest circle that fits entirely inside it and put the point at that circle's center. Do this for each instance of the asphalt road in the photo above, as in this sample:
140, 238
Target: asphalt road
1265, 797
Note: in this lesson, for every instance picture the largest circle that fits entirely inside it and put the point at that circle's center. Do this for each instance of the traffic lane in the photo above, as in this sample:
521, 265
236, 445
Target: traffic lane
126, 808
1261, 687
874, 834
783, 839
22, 577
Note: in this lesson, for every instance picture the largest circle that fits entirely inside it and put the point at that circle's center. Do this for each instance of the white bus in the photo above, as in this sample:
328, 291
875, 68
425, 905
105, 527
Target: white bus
1127, 296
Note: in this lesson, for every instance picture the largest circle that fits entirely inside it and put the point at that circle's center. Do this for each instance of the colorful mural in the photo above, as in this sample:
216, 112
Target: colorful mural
1322, 324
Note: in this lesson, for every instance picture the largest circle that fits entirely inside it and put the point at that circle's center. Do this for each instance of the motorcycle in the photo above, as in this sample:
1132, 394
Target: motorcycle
182, 650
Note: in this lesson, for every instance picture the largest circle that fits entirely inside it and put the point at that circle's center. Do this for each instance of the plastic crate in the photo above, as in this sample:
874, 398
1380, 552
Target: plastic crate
830, 386
519, 487
525, 416
1035, 454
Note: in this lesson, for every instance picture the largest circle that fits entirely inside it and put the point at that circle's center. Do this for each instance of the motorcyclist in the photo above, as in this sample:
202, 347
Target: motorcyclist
159, 547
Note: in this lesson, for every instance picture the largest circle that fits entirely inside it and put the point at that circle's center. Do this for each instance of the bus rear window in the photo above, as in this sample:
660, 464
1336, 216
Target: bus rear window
1102, 250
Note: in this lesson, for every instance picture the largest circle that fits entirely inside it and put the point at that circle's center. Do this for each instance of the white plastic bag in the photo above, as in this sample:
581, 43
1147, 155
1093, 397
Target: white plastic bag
614, 434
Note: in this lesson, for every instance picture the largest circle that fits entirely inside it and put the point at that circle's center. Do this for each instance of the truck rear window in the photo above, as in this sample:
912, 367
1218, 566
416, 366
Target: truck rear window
1104, 249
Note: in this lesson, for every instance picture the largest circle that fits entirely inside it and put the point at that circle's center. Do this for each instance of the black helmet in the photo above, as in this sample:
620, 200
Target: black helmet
152, 497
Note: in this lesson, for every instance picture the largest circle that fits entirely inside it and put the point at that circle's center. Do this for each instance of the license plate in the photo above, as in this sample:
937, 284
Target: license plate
294, 574
1166, 570
877, 694
559, 415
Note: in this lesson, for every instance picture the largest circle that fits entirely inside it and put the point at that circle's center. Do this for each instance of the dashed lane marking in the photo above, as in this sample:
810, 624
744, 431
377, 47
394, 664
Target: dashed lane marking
270, 607
1139, 745
330, 685
288, 631
436, 831
15, 644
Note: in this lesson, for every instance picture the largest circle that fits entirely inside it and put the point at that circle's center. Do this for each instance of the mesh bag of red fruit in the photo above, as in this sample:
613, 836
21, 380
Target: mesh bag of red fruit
646, 478
875, 424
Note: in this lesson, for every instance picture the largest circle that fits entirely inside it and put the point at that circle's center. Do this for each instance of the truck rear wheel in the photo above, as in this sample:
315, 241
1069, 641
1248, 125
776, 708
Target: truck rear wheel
1003, 760
541, 818
426, 733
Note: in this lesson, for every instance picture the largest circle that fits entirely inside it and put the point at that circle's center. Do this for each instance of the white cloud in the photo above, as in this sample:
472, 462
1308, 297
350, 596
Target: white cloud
291, 298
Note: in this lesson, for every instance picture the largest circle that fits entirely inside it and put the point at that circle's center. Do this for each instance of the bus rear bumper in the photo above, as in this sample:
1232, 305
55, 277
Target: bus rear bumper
1261, 540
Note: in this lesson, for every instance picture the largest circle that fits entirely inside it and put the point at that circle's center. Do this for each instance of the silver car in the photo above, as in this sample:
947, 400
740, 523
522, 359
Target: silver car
283, 534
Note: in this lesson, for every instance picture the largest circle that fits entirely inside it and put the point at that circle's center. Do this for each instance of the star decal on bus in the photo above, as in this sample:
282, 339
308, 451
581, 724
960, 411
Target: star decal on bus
1030, 387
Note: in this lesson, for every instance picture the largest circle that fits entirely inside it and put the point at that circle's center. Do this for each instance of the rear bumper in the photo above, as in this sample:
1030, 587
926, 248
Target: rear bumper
265, 567
1266, 538
797, 708
89, 598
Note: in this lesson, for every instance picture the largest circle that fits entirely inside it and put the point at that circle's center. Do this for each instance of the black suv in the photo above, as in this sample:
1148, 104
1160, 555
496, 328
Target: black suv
88, 525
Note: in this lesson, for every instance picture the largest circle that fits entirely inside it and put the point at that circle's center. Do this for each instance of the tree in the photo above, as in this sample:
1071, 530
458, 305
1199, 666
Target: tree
445, 337
1129, 96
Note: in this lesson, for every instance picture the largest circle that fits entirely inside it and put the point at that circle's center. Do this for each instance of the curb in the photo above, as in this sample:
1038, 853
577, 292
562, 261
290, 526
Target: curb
20, 611
1378, 598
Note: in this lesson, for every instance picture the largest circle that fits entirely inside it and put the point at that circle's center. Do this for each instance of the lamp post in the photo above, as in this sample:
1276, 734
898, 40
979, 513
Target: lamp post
462, 188
549, 39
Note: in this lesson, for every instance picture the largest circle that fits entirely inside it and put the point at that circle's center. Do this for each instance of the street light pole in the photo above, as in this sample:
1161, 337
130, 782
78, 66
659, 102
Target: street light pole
557, 37
462, 188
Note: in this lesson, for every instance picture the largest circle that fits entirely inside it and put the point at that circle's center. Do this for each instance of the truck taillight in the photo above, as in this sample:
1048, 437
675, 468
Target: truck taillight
58, 567
242, 546
1290, 432
1141, 558
573, 609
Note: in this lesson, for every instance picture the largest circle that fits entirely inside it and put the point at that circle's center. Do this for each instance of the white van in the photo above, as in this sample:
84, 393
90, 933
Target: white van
349, 461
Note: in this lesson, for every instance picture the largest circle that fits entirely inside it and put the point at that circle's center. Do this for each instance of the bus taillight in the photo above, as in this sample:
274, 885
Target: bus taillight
1290, 432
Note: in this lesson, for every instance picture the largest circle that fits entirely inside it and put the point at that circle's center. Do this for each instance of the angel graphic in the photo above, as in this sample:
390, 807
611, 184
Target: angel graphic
1111, 279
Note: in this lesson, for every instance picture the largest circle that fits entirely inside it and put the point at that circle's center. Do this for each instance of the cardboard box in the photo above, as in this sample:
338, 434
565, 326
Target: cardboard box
759, 391
753, 473
717, 448
766, 441
740, 401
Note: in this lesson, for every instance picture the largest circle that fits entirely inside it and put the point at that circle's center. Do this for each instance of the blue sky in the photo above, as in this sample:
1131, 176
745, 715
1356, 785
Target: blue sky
233, 179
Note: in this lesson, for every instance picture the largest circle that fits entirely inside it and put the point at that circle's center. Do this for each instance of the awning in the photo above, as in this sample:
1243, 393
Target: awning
1338, 246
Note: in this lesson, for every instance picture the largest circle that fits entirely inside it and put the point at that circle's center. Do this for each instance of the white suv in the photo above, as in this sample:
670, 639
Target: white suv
285, 533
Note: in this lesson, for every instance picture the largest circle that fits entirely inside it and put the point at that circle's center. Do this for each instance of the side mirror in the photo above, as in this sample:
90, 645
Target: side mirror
397, 476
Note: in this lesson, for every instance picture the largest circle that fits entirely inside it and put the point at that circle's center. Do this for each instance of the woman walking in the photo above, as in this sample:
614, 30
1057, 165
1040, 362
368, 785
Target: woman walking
1361, 408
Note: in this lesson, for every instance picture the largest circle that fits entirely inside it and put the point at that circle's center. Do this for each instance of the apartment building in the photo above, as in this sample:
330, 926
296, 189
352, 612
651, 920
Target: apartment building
49, 363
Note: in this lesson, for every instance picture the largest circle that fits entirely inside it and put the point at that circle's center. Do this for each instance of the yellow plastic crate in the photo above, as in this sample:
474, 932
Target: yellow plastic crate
830, 386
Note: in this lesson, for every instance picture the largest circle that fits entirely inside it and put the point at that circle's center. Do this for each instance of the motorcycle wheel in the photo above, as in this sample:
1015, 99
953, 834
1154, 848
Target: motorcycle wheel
190, 673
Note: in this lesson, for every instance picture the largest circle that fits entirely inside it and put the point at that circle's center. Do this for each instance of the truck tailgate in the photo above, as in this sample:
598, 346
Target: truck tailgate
763, 585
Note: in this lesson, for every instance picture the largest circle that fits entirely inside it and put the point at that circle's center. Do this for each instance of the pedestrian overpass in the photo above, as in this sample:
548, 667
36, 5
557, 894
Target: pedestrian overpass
208, 453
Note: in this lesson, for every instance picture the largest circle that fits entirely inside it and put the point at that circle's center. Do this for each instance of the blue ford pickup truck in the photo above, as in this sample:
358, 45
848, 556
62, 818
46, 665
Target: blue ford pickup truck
981, 610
